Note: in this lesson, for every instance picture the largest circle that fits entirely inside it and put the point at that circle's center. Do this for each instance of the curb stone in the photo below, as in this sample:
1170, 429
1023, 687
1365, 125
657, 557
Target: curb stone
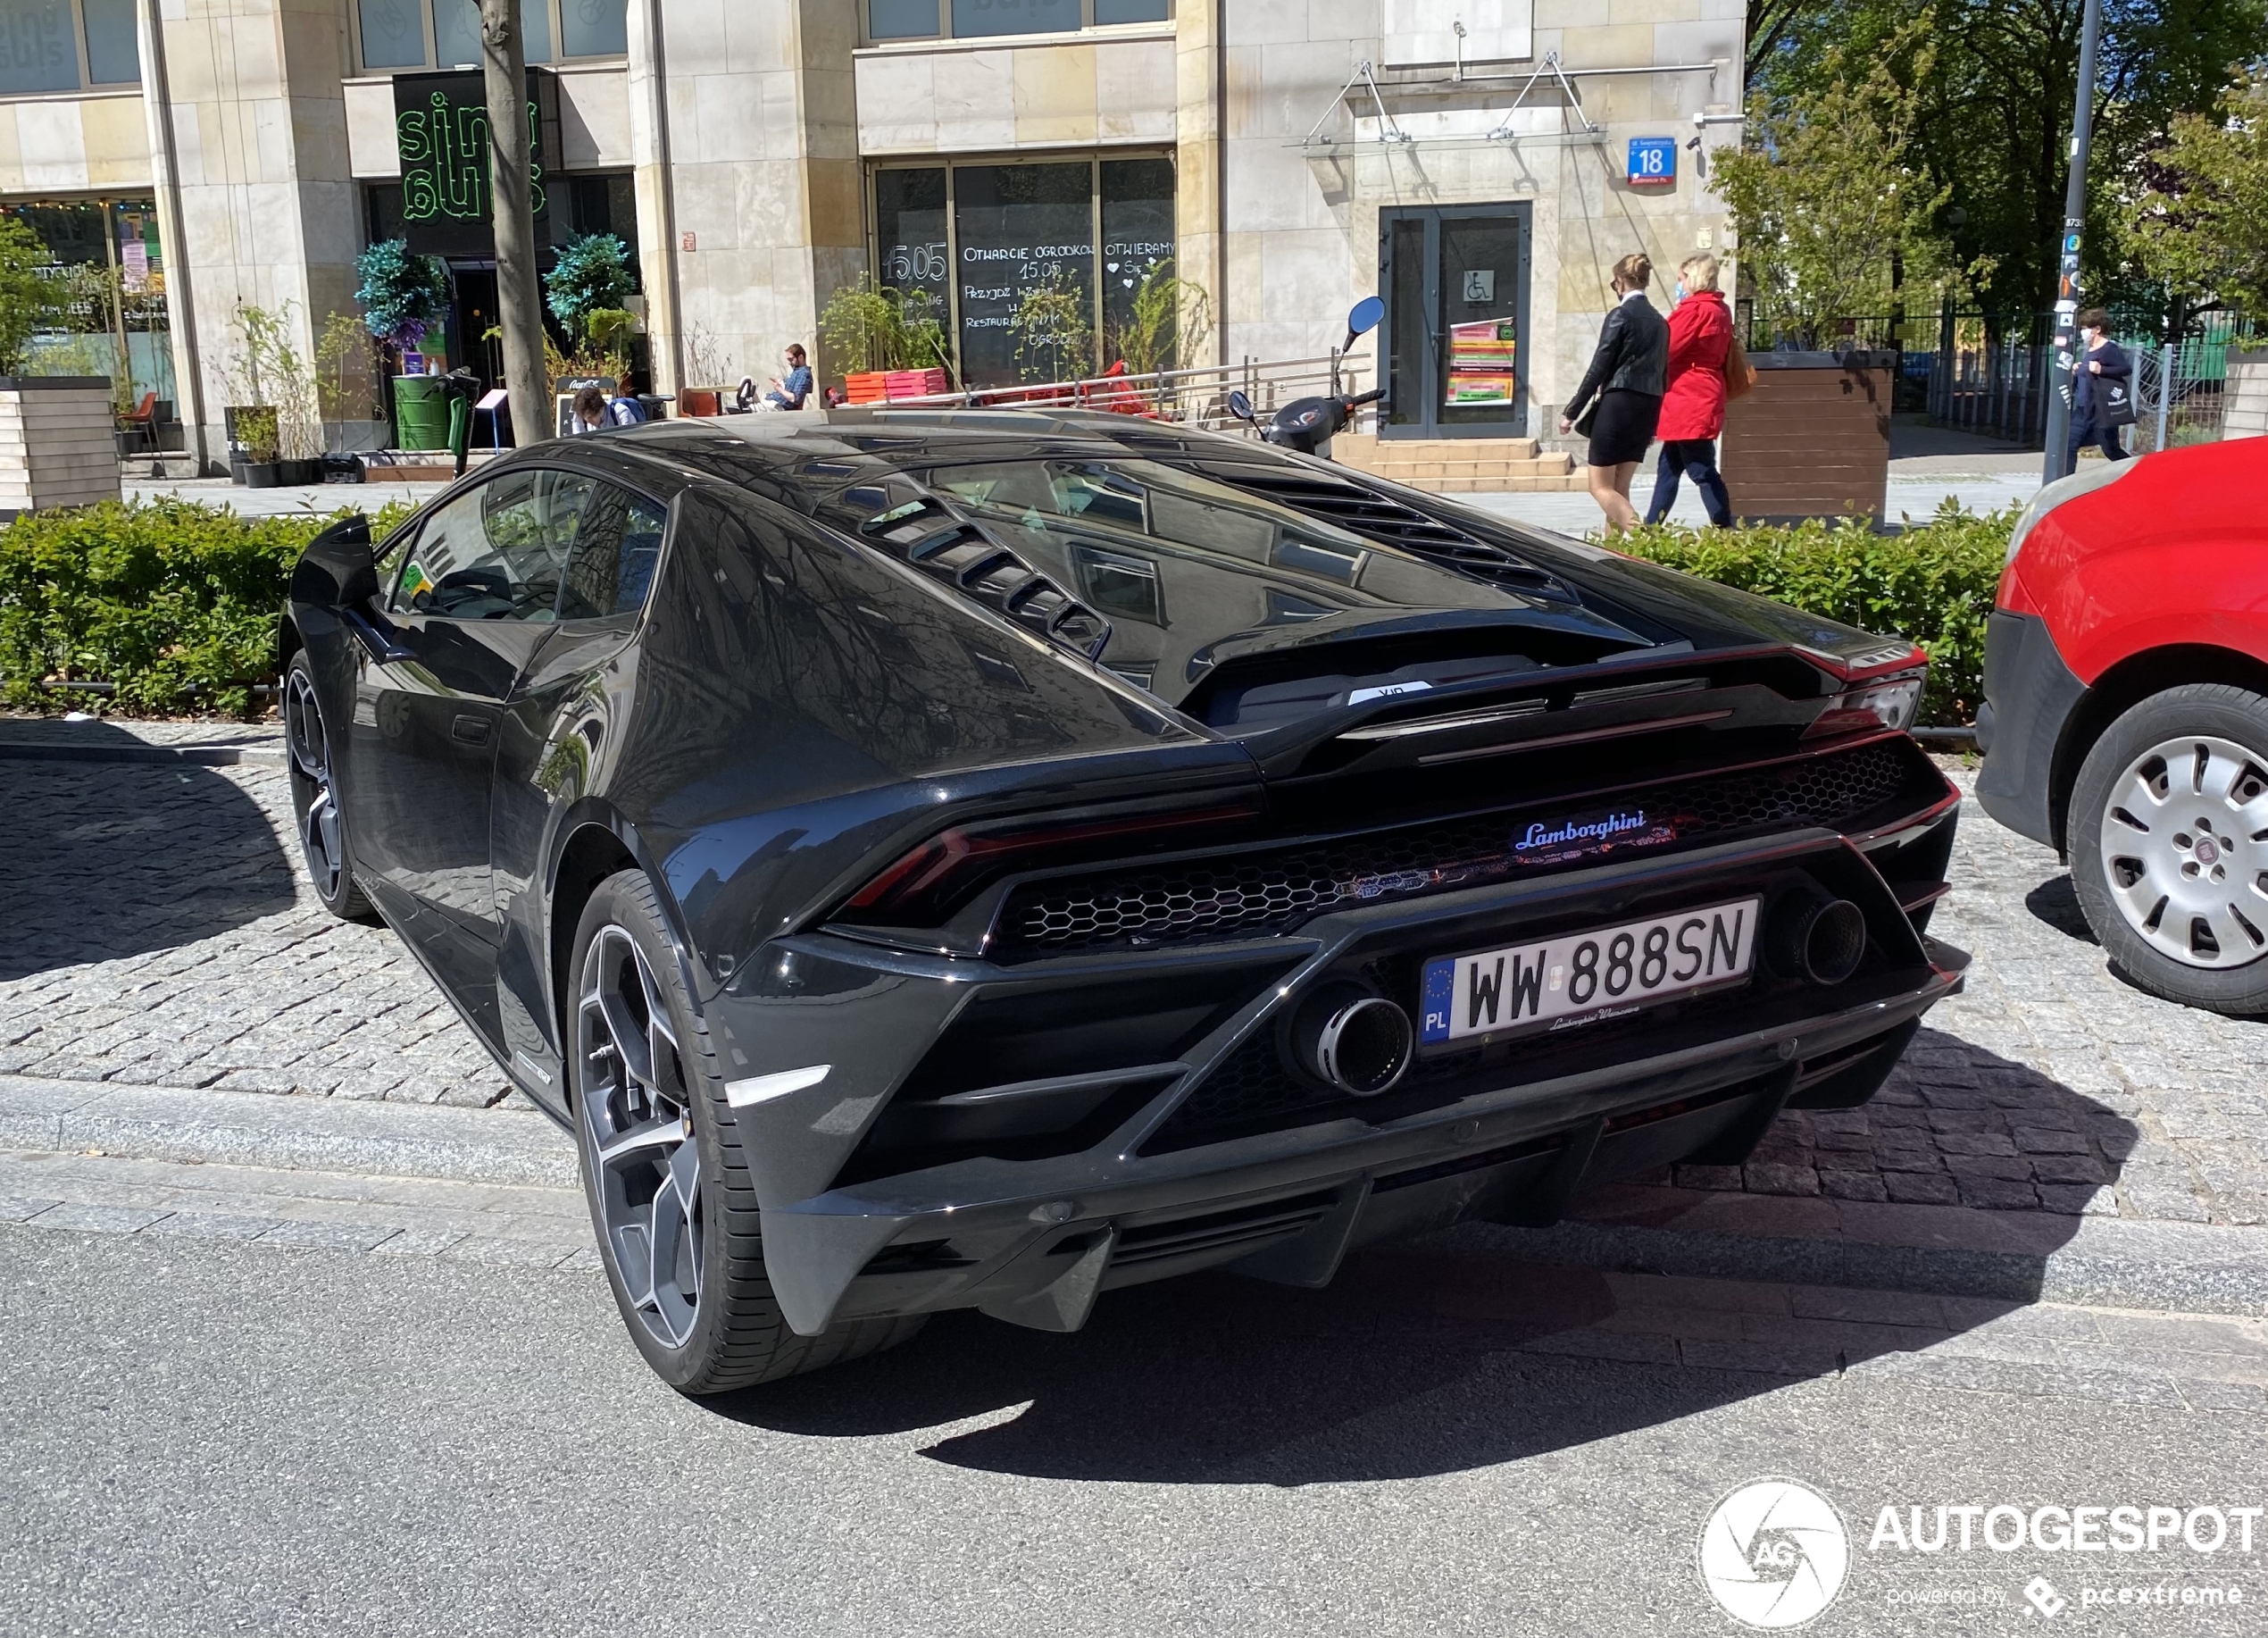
2103, 1263
1946, 1251
286, 1133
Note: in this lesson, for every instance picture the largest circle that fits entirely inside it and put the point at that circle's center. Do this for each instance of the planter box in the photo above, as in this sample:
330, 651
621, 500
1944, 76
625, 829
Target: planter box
1812, 440
56, 443
867, 386
2244, 410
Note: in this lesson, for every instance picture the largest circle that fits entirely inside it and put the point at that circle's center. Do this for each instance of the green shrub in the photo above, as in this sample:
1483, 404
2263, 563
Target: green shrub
174, 603
1934, 583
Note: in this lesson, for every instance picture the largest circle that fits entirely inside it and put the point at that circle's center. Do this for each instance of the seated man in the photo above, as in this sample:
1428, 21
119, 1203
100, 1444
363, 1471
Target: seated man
791, 393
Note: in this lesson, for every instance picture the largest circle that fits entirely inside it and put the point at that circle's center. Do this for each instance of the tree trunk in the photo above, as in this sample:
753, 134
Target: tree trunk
503, 58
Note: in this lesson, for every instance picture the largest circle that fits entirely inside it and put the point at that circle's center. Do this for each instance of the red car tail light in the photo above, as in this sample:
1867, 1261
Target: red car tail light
1886, 702
929, 880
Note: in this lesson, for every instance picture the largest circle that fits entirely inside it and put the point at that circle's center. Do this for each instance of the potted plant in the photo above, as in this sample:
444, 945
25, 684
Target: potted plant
887, 332
257, 435
1166, 320
402, 298
345, 392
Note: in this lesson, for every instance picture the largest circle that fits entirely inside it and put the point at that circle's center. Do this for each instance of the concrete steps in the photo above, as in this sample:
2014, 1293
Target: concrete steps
1460, 465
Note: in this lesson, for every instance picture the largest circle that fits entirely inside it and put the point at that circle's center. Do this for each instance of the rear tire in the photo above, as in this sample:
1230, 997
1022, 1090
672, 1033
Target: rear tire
2169, 846
665, 1171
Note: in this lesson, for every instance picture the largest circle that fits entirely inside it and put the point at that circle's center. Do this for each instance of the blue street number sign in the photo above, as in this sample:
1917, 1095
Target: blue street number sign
1654, 162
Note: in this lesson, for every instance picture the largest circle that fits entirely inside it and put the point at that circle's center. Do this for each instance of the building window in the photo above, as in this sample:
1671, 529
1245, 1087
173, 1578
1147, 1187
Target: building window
67, 46
107, 278
1012, 251
446, 34
915, 20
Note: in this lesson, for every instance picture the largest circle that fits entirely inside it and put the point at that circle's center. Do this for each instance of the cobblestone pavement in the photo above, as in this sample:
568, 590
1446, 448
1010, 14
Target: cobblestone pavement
2051, 1084
160, 935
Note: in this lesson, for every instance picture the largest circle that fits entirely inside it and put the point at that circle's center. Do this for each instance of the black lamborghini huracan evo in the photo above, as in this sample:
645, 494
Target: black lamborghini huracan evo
985, 859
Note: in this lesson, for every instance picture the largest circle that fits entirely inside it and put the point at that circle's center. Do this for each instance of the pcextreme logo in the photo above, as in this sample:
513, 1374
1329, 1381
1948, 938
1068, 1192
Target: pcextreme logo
1774, 1553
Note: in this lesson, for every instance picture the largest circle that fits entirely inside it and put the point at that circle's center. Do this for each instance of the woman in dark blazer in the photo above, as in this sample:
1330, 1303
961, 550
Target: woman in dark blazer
1629, 374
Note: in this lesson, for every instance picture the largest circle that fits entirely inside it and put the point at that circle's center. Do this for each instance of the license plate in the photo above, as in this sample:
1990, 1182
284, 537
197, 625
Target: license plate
1584, 977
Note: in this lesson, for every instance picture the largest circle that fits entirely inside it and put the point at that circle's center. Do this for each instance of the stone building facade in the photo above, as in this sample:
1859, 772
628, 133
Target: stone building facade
1479, 164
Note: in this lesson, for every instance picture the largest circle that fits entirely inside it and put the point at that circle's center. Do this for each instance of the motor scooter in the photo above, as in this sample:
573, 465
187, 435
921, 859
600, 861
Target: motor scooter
1307, 424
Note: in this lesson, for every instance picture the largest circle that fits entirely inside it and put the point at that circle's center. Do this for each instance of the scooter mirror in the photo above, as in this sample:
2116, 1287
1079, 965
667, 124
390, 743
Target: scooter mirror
1364, 317
1239, 406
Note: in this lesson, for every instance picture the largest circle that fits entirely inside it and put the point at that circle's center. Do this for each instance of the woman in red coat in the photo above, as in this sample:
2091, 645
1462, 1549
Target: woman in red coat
1693, 409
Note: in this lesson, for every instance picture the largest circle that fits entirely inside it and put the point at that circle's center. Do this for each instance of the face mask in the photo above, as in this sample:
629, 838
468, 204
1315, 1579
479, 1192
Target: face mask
1678, 293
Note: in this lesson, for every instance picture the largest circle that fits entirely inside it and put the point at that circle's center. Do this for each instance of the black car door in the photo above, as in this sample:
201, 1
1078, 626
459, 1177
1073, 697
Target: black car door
556, 738
474, 599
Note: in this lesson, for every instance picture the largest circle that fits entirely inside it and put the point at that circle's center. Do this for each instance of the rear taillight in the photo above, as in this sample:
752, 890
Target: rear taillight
928, 882
1885, 702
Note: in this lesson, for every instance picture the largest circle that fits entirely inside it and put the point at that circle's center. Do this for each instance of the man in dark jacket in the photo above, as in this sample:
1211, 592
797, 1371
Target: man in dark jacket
2102, 389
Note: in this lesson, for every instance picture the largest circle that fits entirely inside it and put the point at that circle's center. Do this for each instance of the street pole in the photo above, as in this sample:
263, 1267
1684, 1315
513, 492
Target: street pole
2065, 351
504, 59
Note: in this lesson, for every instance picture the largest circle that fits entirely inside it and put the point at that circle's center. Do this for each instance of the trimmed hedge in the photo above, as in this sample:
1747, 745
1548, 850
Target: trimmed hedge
174, 603
1934, 583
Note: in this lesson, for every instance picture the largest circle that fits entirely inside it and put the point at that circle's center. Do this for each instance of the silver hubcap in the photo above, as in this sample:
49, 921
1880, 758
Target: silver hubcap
637, 1120
2185, 849
319, 838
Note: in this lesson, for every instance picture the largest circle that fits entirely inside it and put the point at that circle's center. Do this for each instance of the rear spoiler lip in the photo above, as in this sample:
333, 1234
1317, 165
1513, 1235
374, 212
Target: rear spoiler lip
1281, 751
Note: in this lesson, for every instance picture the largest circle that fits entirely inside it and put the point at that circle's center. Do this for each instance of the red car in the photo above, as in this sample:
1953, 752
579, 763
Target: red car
2125, 718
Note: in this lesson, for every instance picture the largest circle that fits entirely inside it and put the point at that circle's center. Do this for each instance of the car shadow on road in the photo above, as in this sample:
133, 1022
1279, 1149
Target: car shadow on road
1479, 1346
106, 859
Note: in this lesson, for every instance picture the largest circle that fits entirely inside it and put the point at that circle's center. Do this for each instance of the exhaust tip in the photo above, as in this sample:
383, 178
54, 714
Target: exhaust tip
1817, 937
1835, 942
1361, 1047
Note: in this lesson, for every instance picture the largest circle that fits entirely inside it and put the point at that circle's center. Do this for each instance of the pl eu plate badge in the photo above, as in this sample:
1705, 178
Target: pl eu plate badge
1654, 162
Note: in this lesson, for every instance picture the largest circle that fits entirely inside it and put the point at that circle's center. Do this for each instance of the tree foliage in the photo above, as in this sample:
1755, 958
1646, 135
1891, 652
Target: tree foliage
2199, 226
1993, 83
1836, 214
26, 298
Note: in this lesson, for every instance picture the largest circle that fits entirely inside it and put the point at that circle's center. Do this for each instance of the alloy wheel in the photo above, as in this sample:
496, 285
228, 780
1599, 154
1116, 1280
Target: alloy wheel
319, 834
638, 1121
2185, 850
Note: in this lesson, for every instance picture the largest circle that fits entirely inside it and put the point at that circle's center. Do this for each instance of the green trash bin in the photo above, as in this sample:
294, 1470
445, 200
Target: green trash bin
420, 412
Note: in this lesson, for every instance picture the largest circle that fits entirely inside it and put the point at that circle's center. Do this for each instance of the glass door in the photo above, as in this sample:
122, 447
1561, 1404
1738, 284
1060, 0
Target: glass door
1455, 283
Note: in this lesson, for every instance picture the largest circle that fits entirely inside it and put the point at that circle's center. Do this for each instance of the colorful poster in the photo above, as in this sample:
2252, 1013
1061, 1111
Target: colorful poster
1481, 363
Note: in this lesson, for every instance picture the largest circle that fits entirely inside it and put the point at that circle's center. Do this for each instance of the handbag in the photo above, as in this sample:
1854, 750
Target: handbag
1584, 422
2117, 407
1740, 374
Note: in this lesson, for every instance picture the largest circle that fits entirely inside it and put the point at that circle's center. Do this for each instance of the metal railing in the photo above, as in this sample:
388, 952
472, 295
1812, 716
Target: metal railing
1196, 396
1991, 373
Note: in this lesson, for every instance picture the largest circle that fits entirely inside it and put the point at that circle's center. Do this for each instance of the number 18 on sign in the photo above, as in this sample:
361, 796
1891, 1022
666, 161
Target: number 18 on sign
1654, 162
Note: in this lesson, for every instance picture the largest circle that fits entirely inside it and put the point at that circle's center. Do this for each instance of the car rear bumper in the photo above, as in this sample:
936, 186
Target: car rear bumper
2030, 696
1034, 1239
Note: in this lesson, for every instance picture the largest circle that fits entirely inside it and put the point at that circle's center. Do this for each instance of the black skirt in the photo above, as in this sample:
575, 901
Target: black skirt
1623, 427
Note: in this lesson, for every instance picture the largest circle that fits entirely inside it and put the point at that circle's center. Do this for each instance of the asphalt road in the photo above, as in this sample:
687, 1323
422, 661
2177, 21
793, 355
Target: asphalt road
213, 1437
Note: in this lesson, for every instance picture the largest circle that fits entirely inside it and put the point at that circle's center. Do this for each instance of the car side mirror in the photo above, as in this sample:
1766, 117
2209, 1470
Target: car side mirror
1240, 407
338, 567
